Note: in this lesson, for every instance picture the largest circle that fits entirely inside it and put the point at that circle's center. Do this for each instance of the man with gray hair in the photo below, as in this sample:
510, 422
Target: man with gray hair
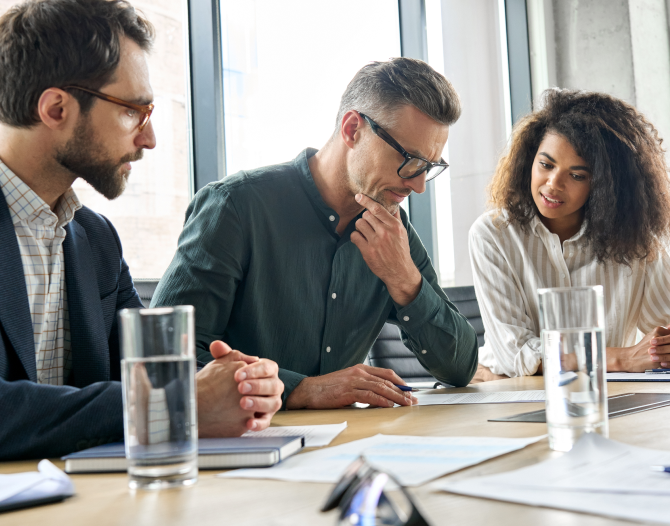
304, 262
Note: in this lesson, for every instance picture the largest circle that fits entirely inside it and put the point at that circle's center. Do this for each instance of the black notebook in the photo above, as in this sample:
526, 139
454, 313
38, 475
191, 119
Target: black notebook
619, 405
213, 453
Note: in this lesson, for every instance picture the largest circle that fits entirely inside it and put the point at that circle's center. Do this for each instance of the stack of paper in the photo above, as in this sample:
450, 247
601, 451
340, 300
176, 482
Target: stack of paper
49, 484
315, 436
500, 397
412, 460
598, 476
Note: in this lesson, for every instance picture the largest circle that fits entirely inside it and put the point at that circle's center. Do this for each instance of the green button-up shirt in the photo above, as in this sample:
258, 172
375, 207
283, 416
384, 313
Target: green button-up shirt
260, 260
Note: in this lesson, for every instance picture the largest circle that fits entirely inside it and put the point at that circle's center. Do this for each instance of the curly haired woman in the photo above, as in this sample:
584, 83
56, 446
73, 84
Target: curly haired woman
581, 197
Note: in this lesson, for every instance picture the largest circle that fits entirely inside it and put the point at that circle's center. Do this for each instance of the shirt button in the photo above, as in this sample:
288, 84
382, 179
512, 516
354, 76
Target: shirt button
406, 318
333, 295
327, 349
424, 351
562, 276
332, 218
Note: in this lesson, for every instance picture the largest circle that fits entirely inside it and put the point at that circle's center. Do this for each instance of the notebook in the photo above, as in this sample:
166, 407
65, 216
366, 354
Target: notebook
213, 453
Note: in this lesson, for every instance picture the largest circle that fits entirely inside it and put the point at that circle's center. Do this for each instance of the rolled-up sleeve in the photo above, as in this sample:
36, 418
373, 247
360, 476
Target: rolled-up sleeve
512, 344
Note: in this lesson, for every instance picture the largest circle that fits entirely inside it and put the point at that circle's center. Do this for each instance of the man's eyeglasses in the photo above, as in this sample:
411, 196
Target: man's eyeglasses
367, 497
412, 166
144, 111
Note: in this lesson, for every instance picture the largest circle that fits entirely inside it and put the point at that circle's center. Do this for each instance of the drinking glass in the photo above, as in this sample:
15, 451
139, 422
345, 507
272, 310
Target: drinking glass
159, 404
573, 358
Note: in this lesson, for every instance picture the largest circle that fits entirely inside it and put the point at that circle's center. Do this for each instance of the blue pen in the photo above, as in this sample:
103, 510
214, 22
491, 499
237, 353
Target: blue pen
657, 371
665, 469
407, 388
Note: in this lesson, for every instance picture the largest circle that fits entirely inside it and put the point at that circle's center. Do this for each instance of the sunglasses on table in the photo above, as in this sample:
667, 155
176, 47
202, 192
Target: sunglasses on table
144, 111
368, 497
413, 166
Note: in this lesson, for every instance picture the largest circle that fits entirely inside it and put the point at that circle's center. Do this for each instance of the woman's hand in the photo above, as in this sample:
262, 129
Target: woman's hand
651, 352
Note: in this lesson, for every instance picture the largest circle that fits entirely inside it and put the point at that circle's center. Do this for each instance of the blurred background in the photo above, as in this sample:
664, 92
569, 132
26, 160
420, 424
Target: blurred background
241, 84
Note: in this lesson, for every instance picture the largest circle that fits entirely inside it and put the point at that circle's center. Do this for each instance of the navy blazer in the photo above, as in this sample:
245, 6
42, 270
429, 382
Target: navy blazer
48, 421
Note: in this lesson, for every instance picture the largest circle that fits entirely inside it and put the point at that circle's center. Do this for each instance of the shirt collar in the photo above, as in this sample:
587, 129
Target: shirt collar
26, 206
329, 216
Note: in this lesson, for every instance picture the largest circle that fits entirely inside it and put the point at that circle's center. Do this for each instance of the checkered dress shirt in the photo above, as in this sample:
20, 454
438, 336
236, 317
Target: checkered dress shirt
40, 233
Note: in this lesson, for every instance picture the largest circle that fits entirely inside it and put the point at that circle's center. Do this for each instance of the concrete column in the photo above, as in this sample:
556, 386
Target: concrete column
620, 47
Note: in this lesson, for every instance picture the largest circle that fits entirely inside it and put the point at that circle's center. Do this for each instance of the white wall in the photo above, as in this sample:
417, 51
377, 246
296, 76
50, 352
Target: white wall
473, 62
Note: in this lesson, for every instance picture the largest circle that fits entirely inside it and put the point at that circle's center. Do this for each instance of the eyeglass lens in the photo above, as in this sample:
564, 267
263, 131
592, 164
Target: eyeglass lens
415, 167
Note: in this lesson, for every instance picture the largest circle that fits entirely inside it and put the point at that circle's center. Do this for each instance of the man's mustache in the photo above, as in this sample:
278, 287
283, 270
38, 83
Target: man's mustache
132, 157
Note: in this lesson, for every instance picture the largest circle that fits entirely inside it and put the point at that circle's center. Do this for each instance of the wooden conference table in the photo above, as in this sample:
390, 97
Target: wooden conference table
104, 499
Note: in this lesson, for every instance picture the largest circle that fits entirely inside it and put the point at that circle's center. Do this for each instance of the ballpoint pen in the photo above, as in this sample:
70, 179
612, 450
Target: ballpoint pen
657, 371
407, 388
666, 469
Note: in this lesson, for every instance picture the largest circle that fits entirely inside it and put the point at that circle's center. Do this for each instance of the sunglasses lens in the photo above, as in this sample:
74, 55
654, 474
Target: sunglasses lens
376, 501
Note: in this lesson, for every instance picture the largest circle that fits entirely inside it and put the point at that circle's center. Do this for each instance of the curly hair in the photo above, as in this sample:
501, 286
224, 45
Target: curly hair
628, 208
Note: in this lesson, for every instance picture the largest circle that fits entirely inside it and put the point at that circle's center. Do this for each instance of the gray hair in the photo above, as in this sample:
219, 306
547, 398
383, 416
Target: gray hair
380, 89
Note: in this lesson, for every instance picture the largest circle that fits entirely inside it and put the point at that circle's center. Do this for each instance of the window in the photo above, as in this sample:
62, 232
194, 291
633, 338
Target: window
286, 65
149, 215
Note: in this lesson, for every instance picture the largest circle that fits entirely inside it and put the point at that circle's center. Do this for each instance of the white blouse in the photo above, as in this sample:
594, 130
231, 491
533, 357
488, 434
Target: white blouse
510, 264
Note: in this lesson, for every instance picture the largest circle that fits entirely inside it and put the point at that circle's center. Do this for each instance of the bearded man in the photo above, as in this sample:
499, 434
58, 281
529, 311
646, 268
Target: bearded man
75, 101
304, 262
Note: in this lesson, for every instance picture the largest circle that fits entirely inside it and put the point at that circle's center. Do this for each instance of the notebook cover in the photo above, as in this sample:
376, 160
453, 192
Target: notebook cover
245, 448
620, 405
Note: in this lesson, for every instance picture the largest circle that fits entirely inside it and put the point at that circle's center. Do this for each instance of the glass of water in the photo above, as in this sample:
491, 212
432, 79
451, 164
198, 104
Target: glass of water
573, 357
159, 405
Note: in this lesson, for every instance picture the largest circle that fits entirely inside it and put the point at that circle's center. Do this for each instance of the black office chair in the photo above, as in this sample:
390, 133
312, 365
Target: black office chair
389, 352
146, 288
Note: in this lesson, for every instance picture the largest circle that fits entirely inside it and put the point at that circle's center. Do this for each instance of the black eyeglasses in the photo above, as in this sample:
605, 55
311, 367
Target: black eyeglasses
412, 166
367, 497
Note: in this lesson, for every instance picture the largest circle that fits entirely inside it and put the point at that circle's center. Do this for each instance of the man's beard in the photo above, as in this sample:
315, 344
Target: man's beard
380, 196
84, 157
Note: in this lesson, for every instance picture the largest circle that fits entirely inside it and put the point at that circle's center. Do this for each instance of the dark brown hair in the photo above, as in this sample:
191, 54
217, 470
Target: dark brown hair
628, 208
53, 43
379, 89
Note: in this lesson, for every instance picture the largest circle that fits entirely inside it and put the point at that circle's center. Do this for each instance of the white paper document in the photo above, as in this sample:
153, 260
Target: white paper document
598, 476
637, 377
315, 436
500, 397
35, 485
412, 460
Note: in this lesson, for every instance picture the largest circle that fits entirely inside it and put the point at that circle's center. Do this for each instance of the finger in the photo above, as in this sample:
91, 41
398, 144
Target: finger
660, 340
386, 374
237, 356
665, 357
219, 349
375, 208
258, 423
380, 396
262, 387
365, 229
374, 221
261, 369
661, 331
358, 239
261, 404
388, 391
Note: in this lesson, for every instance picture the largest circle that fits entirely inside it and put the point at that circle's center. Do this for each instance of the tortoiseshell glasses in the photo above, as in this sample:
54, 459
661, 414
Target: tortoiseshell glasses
144, 111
